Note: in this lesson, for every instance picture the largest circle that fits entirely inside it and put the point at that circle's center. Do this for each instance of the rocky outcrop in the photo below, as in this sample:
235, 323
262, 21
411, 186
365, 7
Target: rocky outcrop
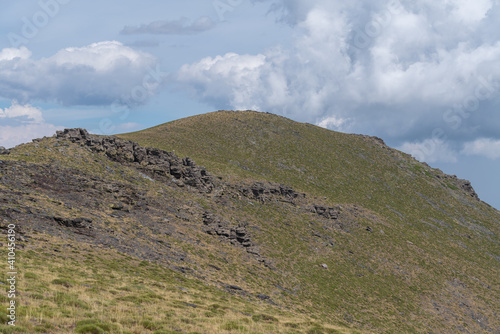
464, 185
326, 212
4, 151
375, 139
75, 222
215, 225
236, 235
266, 191
156, 161
78, 225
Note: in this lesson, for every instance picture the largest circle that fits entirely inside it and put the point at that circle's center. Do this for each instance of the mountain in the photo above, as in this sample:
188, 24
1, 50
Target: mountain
287, 228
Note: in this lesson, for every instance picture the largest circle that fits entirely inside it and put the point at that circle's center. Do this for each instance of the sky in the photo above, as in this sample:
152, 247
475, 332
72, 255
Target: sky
423, 75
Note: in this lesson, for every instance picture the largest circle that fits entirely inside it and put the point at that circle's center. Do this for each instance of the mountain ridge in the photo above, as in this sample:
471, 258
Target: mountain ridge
369, 241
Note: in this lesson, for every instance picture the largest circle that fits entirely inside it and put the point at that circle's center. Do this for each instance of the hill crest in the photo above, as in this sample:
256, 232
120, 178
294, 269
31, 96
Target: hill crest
290, 227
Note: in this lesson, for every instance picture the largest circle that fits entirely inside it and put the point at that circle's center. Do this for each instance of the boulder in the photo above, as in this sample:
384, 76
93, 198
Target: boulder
216, 225
327, 212
75, 222
266, 191
466, 186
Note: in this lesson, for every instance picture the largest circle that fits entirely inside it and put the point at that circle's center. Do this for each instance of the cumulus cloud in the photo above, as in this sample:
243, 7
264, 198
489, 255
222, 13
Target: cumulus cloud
182, 26
97, 74
13, 53
25, 114
332, 122
394, 69
486, 147
226, 80
21, 123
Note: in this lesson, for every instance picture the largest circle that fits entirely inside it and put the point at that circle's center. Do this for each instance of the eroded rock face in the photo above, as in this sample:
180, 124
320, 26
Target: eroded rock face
236, 235
215, 225
151, 159
326, 212
464, 185
4, 151
467, 187
75, 222
265, 191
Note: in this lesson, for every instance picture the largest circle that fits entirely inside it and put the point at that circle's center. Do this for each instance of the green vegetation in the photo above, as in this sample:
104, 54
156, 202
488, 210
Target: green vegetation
411, 251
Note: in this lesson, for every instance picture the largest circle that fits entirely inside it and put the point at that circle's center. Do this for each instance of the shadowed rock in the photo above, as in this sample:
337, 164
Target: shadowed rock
266, 191
156, 161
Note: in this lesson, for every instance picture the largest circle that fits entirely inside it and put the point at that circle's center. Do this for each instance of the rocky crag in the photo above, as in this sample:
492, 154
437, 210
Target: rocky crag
155, 161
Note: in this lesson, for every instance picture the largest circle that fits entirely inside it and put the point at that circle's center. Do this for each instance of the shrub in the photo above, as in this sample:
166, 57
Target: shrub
92, 326
232, 326
90, 329
30, 275
151, 325
264, 317
315, 330
64, 282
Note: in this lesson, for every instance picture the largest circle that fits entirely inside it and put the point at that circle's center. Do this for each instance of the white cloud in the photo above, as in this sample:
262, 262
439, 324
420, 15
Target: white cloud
27, 112
21, 123
229, 79
430, 151
417, 60
11, 136
97, 74
471, 11
486, 147
177, 27
332, 123
12, 53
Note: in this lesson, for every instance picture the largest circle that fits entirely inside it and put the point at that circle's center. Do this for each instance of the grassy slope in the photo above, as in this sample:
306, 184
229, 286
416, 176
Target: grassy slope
430, 242
66, 285
428, 265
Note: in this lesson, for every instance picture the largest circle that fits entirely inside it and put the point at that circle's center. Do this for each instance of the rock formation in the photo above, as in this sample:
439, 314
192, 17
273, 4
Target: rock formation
156, 161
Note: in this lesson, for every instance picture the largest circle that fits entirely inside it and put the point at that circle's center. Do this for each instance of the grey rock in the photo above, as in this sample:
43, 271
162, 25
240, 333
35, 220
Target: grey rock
236, 235
327, 212
263, 297
158, 162
75, 222
191, 305
267, 191
4, 151
467, 187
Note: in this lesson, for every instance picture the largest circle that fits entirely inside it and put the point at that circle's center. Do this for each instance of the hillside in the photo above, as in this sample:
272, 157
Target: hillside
288, 228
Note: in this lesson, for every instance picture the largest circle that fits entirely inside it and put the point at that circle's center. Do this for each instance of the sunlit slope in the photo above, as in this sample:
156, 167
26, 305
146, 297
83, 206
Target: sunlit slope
343, 167
379, 243
430, 251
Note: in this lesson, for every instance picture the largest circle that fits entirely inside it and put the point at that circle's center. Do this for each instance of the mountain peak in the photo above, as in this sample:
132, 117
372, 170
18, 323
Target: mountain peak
288, 226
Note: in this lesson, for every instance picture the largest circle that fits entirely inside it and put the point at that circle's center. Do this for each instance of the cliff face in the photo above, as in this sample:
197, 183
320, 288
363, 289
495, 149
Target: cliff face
290, 227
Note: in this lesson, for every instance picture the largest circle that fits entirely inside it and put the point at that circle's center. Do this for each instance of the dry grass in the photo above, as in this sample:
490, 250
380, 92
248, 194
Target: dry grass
428, 244
79, 293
